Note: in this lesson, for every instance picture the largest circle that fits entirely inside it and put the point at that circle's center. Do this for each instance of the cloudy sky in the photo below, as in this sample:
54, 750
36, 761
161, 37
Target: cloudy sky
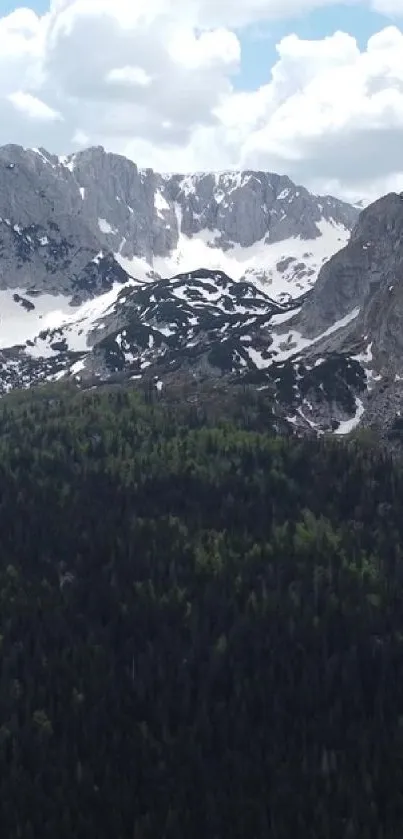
310, 88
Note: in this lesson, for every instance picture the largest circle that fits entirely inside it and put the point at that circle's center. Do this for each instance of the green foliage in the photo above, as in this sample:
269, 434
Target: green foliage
201, 625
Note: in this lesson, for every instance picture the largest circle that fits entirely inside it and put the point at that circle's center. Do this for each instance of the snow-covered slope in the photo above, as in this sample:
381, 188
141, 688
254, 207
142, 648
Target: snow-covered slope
201, 323
195, 311
58, 213
106, 269
285, 270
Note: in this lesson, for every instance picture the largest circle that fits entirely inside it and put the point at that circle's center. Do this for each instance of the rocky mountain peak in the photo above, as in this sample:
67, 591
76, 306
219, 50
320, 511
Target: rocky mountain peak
110, 269
353, 321
160, 224
371, 261
383, 217
245, 207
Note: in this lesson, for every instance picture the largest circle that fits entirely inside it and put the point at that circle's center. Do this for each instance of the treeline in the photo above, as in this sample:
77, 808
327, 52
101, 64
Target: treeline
201, 626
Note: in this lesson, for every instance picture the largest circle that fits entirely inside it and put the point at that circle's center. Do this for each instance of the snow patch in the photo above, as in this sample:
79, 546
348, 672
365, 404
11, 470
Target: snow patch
286, 345
160, 203
284, 270
364, 357
75, 327
283, 317
187, 185
105, 227
349, 425
67, 162
18, 325
77, 367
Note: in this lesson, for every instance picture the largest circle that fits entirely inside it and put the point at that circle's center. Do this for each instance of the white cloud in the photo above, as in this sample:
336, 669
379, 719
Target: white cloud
81, 139
32, 107
129, 75
344, 121
208, 49
234, 13
388, 7
155, 79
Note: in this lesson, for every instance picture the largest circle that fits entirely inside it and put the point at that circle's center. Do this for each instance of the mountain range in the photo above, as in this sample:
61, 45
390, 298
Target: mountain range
108, 270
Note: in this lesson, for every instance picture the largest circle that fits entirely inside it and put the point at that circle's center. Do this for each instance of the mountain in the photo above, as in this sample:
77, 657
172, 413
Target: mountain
109, 269
59, 214
360, 290
202, 324
371, 261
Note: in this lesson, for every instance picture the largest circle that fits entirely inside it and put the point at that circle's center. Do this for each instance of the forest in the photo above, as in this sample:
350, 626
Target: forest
201, 624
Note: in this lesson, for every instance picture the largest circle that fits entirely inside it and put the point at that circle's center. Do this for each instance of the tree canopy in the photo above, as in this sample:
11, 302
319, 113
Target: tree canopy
201, 625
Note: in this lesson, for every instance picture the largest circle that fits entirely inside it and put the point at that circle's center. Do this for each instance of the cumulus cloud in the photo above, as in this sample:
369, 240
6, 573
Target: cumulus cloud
155, 79
388, 7
32, 107
345, 121
129, 75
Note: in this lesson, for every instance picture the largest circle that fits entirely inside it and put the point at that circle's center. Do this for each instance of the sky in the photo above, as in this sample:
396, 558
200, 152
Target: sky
308, 88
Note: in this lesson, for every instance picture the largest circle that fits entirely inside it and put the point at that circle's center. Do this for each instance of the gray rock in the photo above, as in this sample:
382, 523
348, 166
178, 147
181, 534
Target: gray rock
58, 214
65, 224
245, 207
46, 240
361, 274
367, 277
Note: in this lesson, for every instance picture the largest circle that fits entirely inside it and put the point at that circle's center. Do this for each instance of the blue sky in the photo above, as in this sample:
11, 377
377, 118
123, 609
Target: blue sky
9, 5
259, 43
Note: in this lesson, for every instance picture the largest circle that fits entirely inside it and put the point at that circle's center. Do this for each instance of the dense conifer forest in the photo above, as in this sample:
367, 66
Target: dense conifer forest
201, 625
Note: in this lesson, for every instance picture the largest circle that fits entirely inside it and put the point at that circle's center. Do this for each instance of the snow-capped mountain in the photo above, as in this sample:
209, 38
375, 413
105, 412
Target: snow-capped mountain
361, 287
106, 269
201, 323
58, 215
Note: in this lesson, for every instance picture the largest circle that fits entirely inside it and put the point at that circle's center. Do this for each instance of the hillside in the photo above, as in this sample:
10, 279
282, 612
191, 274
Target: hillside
108, 271
200, 624
78, 229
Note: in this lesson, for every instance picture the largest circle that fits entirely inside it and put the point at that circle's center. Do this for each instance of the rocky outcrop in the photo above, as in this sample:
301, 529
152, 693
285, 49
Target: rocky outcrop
68, 224
245, 207
57, 214
360, 291
46, 242
367, 273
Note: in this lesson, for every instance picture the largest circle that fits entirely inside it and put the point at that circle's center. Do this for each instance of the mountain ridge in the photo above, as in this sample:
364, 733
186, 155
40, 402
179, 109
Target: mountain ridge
141, 215
111, 270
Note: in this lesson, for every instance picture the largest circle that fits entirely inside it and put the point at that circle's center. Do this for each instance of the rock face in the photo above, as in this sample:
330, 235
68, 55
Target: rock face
76, 233
245, 207
46, 242
367, 273
58, 214
360, 290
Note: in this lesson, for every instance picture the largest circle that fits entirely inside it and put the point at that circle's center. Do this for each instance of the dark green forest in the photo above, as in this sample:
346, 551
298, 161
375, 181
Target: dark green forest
201, 625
